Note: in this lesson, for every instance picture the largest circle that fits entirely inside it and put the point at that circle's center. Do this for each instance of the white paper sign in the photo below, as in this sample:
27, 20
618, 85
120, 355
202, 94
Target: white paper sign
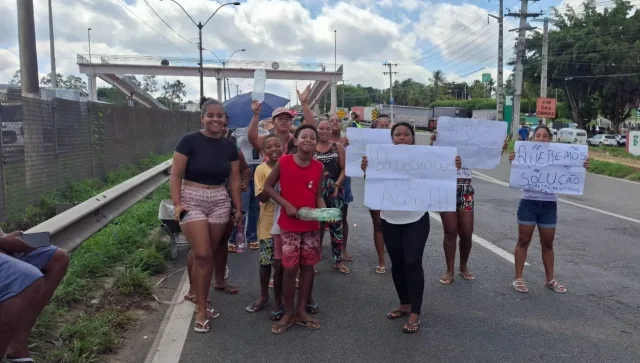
358, 140
549, 167
479, 142
411, 178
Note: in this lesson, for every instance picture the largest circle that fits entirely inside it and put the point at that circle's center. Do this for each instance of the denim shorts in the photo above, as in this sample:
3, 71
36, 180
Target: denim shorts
20, 271
542, 213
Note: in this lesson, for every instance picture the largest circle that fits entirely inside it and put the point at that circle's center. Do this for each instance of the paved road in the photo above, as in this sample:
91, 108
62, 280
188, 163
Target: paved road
480, 321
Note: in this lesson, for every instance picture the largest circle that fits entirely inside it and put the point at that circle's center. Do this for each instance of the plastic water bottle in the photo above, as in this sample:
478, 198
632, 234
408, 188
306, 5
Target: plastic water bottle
241, 244
259, 81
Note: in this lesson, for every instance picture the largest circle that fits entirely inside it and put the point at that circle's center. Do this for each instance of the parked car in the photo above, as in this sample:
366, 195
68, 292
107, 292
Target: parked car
572, 136
621, 139
602, 139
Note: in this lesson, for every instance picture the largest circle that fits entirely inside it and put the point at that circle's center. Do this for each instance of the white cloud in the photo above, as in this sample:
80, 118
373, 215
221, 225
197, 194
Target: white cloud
368, 34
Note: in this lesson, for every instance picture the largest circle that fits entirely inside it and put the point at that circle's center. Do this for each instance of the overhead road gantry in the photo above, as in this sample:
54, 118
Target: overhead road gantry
188, 67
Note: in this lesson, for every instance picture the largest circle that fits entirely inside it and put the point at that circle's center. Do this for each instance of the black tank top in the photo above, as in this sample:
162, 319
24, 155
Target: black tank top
330, 160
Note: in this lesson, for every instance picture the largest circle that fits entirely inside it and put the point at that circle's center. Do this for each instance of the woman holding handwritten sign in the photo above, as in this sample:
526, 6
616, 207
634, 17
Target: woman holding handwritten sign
459, 224
541, 209
405, 236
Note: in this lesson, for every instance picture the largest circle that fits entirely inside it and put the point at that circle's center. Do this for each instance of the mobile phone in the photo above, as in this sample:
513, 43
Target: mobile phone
36, 240
183, 214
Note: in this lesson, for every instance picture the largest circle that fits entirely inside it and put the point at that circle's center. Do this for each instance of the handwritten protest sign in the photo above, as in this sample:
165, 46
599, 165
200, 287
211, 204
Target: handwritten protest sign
479, 142
549, 167
410, 178
358, 140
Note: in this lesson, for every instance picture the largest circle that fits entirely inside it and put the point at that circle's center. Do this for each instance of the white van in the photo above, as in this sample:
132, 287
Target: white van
572, 136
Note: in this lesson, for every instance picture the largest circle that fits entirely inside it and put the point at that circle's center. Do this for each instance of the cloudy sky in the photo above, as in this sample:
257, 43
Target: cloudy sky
420, 36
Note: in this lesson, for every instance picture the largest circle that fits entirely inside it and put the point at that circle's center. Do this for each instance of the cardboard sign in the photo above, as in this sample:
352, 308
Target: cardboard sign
546, 108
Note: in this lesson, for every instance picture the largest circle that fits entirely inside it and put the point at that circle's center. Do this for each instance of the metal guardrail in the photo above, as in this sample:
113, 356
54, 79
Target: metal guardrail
74, 226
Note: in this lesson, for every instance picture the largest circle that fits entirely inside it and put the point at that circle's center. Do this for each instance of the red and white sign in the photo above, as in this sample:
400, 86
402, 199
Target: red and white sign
546, 108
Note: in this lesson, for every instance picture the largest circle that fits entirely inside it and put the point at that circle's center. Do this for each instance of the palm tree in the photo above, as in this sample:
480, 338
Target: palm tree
437, 79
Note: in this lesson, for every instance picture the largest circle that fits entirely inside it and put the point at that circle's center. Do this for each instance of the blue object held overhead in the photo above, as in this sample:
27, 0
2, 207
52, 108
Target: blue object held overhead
239, 108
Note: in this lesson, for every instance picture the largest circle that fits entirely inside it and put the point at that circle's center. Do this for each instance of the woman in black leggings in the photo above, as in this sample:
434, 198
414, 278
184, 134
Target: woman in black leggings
405, 235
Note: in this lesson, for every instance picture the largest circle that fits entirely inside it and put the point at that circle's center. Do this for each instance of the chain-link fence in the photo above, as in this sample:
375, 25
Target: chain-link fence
47, 145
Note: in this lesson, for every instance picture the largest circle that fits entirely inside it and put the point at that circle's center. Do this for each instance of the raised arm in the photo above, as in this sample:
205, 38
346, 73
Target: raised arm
306, 109
255, 139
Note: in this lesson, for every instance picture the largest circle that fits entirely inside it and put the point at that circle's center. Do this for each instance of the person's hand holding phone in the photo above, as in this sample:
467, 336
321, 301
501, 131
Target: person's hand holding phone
12, 243
178, 211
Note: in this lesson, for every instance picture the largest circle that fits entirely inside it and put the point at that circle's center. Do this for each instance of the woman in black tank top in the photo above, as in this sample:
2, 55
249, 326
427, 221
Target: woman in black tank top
332, 156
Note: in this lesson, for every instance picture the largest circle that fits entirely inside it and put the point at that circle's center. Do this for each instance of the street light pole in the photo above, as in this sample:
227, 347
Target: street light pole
224, 64
200, 26
89, 36
54, 78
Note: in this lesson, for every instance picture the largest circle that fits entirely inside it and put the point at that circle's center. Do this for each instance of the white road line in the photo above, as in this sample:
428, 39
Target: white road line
169, 342
484, 243
500, 182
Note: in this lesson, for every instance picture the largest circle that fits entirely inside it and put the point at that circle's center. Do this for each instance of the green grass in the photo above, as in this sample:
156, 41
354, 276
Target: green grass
616, 151
76, 192
108, 274
614, 170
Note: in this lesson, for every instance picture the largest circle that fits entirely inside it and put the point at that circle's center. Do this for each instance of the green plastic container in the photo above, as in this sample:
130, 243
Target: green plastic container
320, 214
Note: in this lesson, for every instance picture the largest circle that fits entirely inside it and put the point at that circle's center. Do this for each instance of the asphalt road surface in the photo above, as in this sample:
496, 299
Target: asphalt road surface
598, 320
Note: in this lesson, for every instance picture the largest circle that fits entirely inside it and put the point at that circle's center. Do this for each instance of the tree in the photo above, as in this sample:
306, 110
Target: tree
132, 80
75, 83
174, 93
46, 80
593, 59
112, 95
150, 84
437, 79
16, 80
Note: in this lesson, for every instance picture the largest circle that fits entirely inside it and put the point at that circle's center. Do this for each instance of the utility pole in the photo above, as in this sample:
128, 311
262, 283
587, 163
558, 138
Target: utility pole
237, 90
54, 74
500, 85
28, 54
545, 61
390, 73
520, 51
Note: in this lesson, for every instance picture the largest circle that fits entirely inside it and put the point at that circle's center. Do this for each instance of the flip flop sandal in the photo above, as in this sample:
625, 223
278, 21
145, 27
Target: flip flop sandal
312, 309
347, 258
316, 272
343, 270
211, 313
396, 314
271, 283
19, 360
202, 327
467, 275
276, 315
227, 289
309, 324
555, 286
231, 248
226, 272
381, 269
297, 283
520, 286
278, 328
254, 245
410, 328
445, 281
254, 308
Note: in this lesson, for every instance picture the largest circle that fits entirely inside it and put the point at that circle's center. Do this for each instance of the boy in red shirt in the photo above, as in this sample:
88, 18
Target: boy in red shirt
301, 181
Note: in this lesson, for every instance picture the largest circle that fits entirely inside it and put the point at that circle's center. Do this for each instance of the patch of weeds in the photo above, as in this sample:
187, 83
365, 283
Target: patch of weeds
133, 281
616, 151
76, 192
148, 260
611, 169
90, 336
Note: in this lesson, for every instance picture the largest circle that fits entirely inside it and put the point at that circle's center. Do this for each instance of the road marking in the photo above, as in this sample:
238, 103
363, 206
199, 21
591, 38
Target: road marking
484, 243
169, 342
500, 182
